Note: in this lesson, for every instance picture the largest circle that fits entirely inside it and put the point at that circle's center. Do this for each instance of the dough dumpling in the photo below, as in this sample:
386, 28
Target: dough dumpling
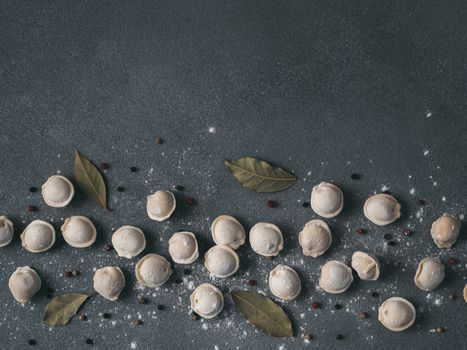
429, 275
38, 236
445, 231
336, 277
366, 265
160, 205
57, 191
79, 231
221, 261
128, 241
152, 271
109, 282
396, 314
284, 282
24, 283
207, 300
266, 239
382, 209
229, 231
315, 238
6, 231
183, 247
327, 200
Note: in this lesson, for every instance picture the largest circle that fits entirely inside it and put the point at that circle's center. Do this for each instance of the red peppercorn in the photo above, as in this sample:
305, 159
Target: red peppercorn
159, 141
406, 232
271, 204
452, 261
361, 231
316, 305
104, 165
251, 282
189, 200
31, 208
108, 247
421, 201
68, 274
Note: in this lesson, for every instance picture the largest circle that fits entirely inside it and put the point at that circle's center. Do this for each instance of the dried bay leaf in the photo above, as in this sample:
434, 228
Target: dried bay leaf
90, 180
61, 309
263, 313
259, 176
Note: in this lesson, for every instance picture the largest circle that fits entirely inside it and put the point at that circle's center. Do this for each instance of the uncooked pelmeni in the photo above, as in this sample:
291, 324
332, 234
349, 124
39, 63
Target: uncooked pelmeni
335, 277
128, 241
266, 239
79, 231
396, 314
24, 283
207, 300
327, 200
430, 274
221, 261
38, 236
227, 230
382, 209
152, 271
183, 247
366, 265
445, 231
57, 191
109, 282
161, 205
315, 238
284, 282
6, 231
465, 293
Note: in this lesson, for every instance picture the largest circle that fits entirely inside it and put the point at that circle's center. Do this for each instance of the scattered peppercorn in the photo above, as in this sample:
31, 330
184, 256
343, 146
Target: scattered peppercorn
452, 261
307, 337
440, 330
189, 201
160, 307
251, 282
83, 317
104, 165
75, 273
421, 201
31, 208
32, 342
179, 188
396, 263
305, 204
362, 315
271, 204
316, 305
68, 274
361, 231
187, 272
391, 243
108, 247
387, 236
120, 188
179, 280
133, 169
137, 322
89, 341
159, 141
452, 296
406, 232
142, 300
338, 306
106, 315
32, 189
375, 294
355, 176
339, 337
194, 316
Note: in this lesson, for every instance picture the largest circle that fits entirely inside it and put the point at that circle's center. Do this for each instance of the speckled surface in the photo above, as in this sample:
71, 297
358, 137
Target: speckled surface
324, 89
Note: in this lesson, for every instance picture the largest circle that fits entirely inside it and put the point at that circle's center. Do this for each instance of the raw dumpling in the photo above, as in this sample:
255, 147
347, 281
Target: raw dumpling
161, 205
57, 191
284, 282
221, 261
79, 231
152, 271
6, 231
24, 283
336, 277
366, 265
266, 239
227, 230
38, 236
315, 238
445, 231
183, 247
109, 282
465, 293
396, 314
128, 241
382, 209
207, 300
430, 274
327, 200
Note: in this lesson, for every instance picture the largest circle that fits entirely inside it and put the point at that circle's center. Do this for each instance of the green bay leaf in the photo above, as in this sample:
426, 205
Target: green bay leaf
61, 309
259, 176
90, 180
263, 313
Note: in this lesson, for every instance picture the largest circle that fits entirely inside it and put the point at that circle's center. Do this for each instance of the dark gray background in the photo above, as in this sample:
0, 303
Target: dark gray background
322, 88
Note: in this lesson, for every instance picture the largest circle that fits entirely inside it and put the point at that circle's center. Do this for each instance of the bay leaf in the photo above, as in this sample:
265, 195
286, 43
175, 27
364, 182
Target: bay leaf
259, 176
263, 313
61, 309
90, 180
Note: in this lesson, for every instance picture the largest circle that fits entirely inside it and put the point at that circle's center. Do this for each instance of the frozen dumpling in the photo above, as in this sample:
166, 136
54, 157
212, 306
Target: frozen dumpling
430, 274
221, 261
366, 265
445, 231
79, 231
38, 236
336, 277
315, 238
24, 283
183, 247
382, 209
327, 200
227, 230
161, 205
109, 282
128, 241
284, 282
266, 239
6, 231
207, 300
57, 191
152, 271
396, 314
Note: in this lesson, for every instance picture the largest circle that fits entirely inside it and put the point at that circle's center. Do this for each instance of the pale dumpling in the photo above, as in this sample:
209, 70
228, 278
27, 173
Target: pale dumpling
109, 282
57, 191
430, 274
366, 265
152, 271
382, 209
229, 231
38, 236
266, 239
161, 205
465, 293
315, 238
79, 231
396, 314
207, 300
284, 282
128, 241
221, 261
6, 231
24, 283
183, 247
336, 277
327, 200
445, 231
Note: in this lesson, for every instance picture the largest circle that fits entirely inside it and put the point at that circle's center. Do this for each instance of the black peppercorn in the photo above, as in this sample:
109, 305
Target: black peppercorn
387, 236
120, 188
32, 189
106, 315
133, 169
187, 272
305, 204
32, 342
89, 341
160, 307
339, 337
338, 306
355, 176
